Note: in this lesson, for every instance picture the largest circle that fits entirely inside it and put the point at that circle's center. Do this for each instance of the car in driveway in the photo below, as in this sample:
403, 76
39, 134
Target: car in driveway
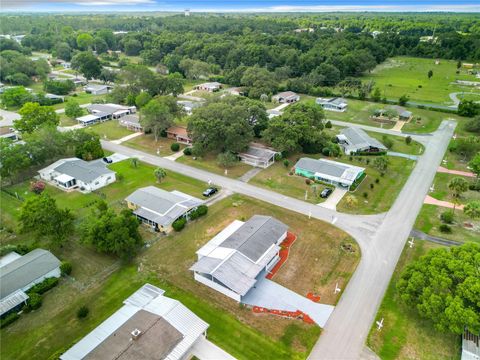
210, 191
326, 193
107, 160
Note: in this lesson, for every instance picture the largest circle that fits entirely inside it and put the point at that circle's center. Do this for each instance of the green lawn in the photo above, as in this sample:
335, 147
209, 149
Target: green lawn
399, 144
148, 144
405, 335
81, 97
406, 75
441, 191
66, 121
209, 163
110, 130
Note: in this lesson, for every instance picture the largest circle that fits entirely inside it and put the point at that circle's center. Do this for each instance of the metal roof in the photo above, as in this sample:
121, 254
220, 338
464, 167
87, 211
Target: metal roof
359, 139
25, 270
80, 169
12, 300
332, 170
149, 299
258, 153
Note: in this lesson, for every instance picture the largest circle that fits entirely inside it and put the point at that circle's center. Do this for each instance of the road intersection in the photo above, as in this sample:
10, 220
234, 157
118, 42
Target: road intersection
381, 238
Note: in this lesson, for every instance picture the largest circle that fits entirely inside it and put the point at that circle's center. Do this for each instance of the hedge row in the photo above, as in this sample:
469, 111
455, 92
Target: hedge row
198, 212
43, 287
7, 320
367, 153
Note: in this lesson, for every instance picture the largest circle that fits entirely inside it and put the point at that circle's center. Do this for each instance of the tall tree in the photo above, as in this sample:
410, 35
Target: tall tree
160, 174
156, 116
88, 64
472, 209
85, 41
73, 109
33, 116
457, 186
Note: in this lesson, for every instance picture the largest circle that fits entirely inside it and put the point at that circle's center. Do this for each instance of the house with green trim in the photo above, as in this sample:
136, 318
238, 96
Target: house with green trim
331, 172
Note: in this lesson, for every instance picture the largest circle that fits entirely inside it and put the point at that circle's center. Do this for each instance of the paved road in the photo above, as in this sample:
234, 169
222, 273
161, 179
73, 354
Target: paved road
381, 238
8, 117
421, 235
346, 331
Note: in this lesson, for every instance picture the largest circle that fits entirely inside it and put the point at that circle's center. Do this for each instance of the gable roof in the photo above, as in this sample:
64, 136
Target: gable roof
80, 169
24, 270
257, 152
358, 138
286, 94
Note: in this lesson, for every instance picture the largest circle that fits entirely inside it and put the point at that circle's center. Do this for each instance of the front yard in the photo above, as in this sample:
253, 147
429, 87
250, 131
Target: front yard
404, 334
209, 163
148, 144
109, 130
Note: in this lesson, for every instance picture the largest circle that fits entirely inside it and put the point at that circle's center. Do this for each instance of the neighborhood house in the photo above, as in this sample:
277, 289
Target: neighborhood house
149, 325
159, 208
131, 122
95, 89
334, 104
470, 346
104, 112
179, 134
240, 254
209, 86
286, 97
355, 140
258, 156
189, 106
392, 113
19, 273
74, 173
8, 133
331, 172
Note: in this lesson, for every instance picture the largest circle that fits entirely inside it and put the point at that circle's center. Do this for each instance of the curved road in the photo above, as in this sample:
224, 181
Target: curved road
381, 238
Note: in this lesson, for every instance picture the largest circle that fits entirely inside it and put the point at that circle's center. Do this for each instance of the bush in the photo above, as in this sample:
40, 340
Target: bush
328, 125
66, 268
278, 156
377, 180
447, 217
82, 313
175, 147
37, 187
372, 186
365, 195
408, 140
198, 212
179, 224
308, 181
44, 286
19, 249
187, 151
7, 320
387, 142
444, 228
34, 302
368, 153
475, 186
286, 163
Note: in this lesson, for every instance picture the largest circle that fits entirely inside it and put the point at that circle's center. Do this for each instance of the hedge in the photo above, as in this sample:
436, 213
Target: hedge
44, 286
357, 182
179, 224
20, 249
198, 212
367, 153
34, 302
66, 268
7, 320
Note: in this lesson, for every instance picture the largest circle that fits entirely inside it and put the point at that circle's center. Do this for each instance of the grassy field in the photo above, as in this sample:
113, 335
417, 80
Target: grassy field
277, 178
110, 130
209, 163
102, 283
405, 335
441, 191
408, 76
148, 144
399, 144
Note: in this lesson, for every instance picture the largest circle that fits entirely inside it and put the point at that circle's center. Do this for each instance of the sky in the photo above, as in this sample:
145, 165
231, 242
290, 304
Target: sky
237, 5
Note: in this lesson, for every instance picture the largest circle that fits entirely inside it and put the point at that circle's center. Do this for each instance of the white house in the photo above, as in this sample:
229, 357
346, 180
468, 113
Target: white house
149, 325
103, 112
470, 346
334, 104
234, 259
97, 89
286, 97
159, 208
258, 156
19, 273
189, 106
353, 140
209, 86
74, 173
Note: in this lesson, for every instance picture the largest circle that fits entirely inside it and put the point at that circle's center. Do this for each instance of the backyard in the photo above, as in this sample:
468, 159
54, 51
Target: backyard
404, 334
408, 76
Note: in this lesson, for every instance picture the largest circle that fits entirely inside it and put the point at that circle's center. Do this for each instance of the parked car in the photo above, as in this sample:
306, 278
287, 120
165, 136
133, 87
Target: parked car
326, 193
210, 191
107, 160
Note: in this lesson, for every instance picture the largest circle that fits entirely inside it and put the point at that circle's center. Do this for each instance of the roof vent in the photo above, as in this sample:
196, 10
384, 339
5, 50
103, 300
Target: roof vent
136, 334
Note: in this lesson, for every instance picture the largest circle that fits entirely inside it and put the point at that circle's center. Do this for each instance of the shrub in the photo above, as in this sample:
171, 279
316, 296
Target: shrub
187, 151
377, 180
198, 212
34, 302
66, 268
328, 125
408, 140
278, 156
350, 158
367, 161
119, 177
290, 173
175, 147
444, 228
44, 286
286, 163
82, 313
37, 187
365, 195
7, 320
179, 224
372, 186
387, 142
308, 181
447, 217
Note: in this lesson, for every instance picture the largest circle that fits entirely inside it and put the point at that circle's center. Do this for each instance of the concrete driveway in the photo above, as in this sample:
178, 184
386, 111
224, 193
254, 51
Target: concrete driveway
206, 350
270, 295
334, 198
8, 117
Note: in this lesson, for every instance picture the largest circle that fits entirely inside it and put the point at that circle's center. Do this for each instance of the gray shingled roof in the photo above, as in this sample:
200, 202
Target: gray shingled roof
83, 170
360, 139
26, 269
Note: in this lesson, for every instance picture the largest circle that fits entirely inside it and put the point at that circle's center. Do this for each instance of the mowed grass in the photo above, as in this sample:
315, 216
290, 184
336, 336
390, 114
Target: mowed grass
148, 144
399, 144
408, 76
110, 130
102, 283
441, 191
404, 334
209, 163
383, 194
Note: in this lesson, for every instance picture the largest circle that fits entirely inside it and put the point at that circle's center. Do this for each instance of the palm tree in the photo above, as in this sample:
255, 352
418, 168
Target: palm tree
351, 201
160, 174
457, 186
472, 209
134, 162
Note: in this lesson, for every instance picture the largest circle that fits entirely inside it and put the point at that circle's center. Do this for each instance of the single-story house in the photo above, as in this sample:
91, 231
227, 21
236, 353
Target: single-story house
97, 89
286, 97
353, 140
179, 134
74, 173
89, 119
209, 86
148, 326
67, 65
160, 208
78, 82
258, 156
131, 122
398, 112
273, 113
111, 111
470, 346
235, 258
235, 91
189, 106
19, 273
302, 30
333, 104
332, 172
55, 97
8, 133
